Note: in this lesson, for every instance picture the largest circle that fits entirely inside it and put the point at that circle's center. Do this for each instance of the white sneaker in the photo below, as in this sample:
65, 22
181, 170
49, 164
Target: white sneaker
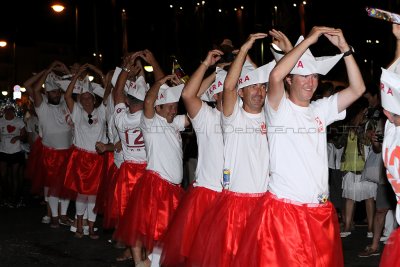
46, 219
345, 234
370, 235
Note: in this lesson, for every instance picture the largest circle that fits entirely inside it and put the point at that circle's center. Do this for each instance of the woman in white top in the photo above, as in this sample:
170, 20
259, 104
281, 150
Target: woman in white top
85, 165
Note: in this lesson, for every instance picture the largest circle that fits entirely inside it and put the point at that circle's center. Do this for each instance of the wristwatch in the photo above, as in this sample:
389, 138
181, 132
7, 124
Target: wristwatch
349, 52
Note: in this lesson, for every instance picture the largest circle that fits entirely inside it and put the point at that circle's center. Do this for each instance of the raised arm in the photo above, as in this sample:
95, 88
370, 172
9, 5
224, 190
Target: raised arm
148, 56
229, 95
68, 94
151, 96
37, 88
283, 67
129, 66
30, 83
99, 73
190, 91
356, 86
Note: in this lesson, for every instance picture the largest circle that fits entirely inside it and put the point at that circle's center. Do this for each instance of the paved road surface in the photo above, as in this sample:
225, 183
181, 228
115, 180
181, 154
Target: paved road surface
25, 241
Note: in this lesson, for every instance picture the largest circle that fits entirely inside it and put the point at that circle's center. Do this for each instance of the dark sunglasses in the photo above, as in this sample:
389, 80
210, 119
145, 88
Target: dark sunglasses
90, 121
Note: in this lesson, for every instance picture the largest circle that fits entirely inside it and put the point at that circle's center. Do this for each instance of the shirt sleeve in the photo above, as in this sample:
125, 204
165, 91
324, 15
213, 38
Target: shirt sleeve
228, 120
76, 114
179, 121
272, 115
119, 114
198, 122
329, 108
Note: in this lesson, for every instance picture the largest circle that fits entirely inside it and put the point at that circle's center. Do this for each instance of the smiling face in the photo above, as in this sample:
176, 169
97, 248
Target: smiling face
302, 88
253, 97
167, 111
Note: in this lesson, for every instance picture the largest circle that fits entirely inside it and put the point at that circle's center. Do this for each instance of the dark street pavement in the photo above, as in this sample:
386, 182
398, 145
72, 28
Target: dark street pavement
25, 241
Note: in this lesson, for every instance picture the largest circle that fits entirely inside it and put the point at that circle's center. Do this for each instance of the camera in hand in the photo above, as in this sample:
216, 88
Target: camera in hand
379, 138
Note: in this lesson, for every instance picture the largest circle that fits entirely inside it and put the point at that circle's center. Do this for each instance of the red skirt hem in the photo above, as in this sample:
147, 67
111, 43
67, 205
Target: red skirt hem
149, 211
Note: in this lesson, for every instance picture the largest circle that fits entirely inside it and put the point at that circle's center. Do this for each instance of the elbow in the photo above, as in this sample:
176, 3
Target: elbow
274, 76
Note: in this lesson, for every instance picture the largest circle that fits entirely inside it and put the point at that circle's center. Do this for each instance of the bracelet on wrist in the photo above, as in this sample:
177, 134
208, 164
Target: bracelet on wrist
125, 69
205, 64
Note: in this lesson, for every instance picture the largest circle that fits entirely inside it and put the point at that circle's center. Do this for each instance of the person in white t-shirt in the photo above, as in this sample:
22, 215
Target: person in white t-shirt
246, 159
56, 125
157, 194
390, 97
12, 133
113, 159
295, 224
128, 112
85, 166
206, 122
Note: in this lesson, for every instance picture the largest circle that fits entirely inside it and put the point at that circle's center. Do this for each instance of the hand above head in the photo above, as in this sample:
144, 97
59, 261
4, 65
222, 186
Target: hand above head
212, 57
251, 39
281, 40
337, 38
148, 56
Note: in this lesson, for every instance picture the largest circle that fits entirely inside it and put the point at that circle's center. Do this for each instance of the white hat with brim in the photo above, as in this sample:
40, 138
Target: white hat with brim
51, 82
83, 86
390, 88
308, 64
216, 87
138, 89
259, 75
168, 94
114, 79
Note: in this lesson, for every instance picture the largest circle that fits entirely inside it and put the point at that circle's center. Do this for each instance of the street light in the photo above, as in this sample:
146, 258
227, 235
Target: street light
4, 93
3, 43
58, 8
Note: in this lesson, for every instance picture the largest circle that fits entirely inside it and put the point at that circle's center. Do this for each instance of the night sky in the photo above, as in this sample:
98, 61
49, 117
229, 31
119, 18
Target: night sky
191, 31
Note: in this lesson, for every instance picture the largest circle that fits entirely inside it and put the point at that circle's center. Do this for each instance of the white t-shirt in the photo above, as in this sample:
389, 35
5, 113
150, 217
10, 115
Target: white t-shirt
246, 151
391, 158
130, 134
86, 135
298, 148
9, 130
163, 144
56, 124
33, 127
210, 164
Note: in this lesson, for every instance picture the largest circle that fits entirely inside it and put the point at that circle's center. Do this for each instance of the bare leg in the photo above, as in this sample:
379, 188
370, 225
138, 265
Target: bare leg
349, 214
370, 208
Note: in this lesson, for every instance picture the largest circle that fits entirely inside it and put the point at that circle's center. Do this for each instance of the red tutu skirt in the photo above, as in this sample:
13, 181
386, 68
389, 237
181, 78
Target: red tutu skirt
110, 215
217, 239
149, 211
84, 171
285, 233
129, 174
55, 164
35, 171
390, 256
179, 237
101, 197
